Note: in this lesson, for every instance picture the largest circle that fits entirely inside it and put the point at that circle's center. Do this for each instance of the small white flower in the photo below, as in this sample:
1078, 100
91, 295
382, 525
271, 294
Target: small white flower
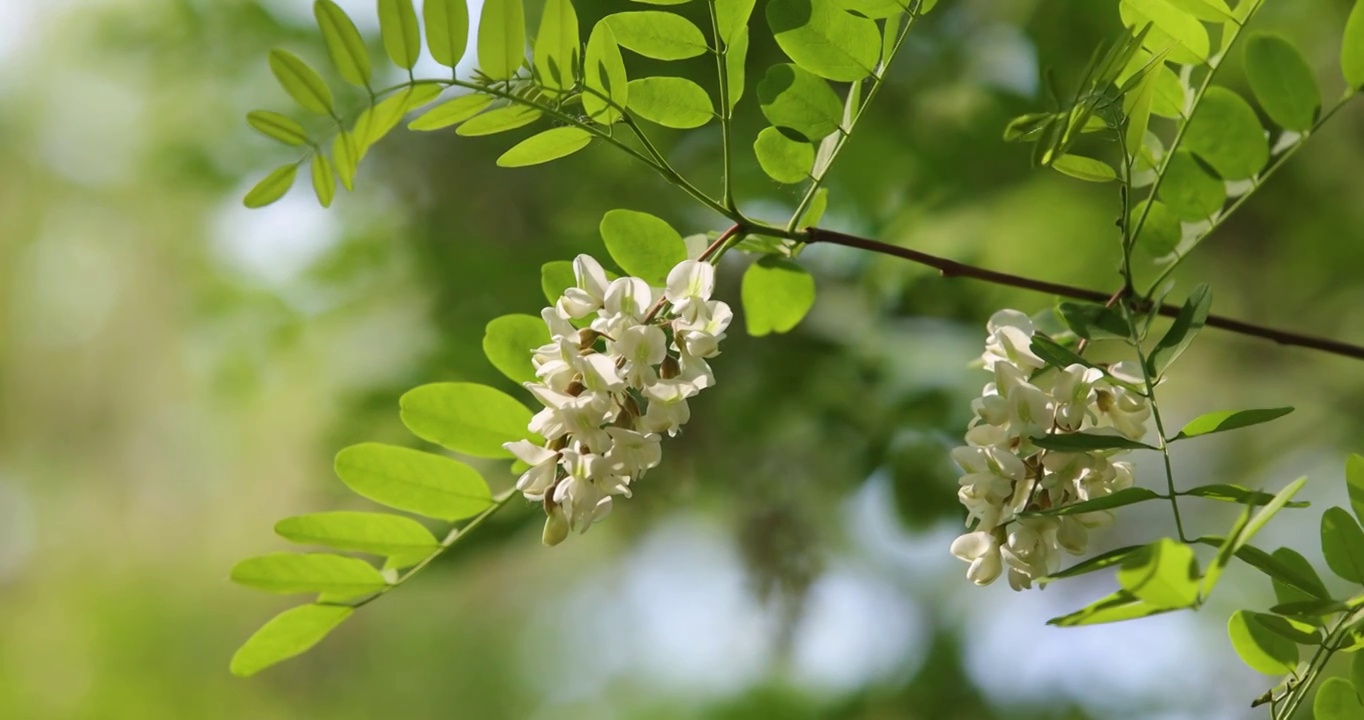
544, 465
690, 284
981, 549
633, 453
589, 292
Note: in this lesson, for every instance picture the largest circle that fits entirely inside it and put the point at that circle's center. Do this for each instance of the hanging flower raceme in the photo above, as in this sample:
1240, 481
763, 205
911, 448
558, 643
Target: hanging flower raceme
1007, 475
613, 379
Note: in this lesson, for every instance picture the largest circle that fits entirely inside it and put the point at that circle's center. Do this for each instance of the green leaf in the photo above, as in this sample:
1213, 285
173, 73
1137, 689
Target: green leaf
324, 180
1311, 608
1186, 325
1055, 354
1282, 82
1127, 496
1160, 233
1215, 11
1164, 574
1138, 104
776, 294
642, 245
823, 38
1226, 134
1086, 442
1117, 607
447, 30
466, 417
732, 18
1094, 322
1225, 552
401, 35
277, 127
1354, 483
604, 73
1302, 583
1098, 562
346, 158
815, 211
510, 340
1236, 494
1173, 29
1337, 699
657, 34
302, 83
556, 277
1342, 542
671, 102
783, 159
1295, 631
403, 539
509, 117
1259, 647
1277, 569
501, 38
799, 103
451, 113
418, 482
344, 43
736, 57
272, 187
378, 120
557, 46
1352, 48
1225, 420
289, 633
1085, 168
1357, 673
1270, 509
291, 573
546, 146
1189, 191
663, 2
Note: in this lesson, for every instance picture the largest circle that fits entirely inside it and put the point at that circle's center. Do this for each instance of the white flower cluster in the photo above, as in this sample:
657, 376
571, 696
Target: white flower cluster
1006, 474
612, 386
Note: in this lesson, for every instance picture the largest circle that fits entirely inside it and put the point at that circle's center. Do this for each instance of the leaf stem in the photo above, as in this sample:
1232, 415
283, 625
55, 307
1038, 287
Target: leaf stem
722, 70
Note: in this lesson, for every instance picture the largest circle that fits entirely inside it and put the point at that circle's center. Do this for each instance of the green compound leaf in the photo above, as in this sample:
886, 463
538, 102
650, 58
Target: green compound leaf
1085, 168
1352, 48
546, 146
1189, 191
1172, 28
671, 102
277, 127
1117, 607
1225, 420
1354, 483
642, 245
324, 180
344, 43
401, 34
509, 117
1259, 647
509, 342
403, 539
799, 103
465, 417
783, 159
1160, 233
1182, 331
336, 576
736, 56
1098, 562
292, 632
1236, 494
346, 158
302, 83
452, 112
1087, 442
1337, 699
1295, 579
377, 121
1164, 575
1282, 82
501, 38
1226, 134
272, 187
447, 30
1342, 542
657, 34
823, 38
556, 276
776, 295
418, 482
732, 18
604, 76
557, 47
1127, 496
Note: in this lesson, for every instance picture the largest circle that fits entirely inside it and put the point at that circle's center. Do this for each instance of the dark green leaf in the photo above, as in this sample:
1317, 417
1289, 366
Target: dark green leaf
447, 29
292, 573
1236, 494
1094, 322
1086, 442
1310, 608
400, 31
301, 82
1282, 82
502, 119
1182, 331
1259, 647
1301, 583
783, 159
1128, 496
658, 34
1160, 232
1098, 562
1055, 354
452, 112
277, 127
776, 295
324, 180
272, 187
509, 341
671, 102
1342, 542
799, 103
1225, 420
557, 46
642, 245
344, 43
546, 146
465, 417
414, 481
823, 38
290, 633
501, 38
403, 539
1226, 134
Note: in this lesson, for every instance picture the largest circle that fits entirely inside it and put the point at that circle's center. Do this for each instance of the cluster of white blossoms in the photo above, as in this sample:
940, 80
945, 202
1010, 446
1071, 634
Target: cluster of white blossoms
1006, 474
615, 376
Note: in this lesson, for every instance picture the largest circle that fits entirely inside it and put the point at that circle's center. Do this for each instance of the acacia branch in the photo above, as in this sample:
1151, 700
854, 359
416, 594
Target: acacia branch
951, 268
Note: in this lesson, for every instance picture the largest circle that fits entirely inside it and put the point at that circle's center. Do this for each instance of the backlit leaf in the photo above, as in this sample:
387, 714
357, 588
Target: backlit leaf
1160, 231
1229, 420
1259, 647
658, 34
1299, 579
465, 417
344, 43
447, 29
502, 119
642, 245
509, 341
799, 103
399, 28
290, 633
1182, 34
783, 159
278, 127
671, 101
1164, 574
732, 18
1342, 542
345, 158
1352, 48
272, 187
501, 38
451, 112
1282, 82
546, 146
418, 482
604, 74
776, 294
1117, 607
1085, 168
1337, 699
557, 46
324, 180
293, 573
403, 539
1189, 191
302, 83
823, 38
1098, 562
1354, 483
1226, 134
556, 277
736, 58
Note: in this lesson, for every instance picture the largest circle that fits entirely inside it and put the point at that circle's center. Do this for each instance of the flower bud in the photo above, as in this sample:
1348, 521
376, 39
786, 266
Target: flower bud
556, 528
669, 369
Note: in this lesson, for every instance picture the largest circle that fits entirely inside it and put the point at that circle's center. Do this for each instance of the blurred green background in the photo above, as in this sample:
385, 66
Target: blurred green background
176, 373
